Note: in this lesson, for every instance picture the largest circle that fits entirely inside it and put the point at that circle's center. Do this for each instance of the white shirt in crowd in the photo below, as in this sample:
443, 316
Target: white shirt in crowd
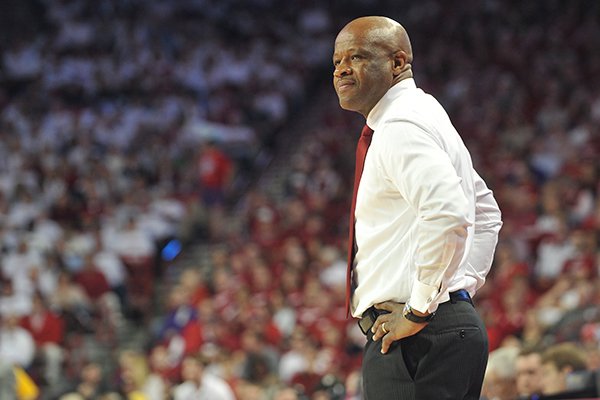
16, 346
212, 387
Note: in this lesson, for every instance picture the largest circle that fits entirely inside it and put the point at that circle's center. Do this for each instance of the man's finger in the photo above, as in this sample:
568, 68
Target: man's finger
387, 306
377, 335
382, 319
379, 332
385, 343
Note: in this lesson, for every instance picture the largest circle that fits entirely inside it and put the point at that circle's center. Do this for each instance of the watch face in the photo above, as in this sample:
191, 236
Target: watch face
409, 315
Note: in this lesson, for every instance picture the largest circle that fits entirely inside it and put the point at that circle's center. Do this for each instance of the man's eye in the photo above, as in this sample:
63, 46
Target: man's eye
356, 57
336, 63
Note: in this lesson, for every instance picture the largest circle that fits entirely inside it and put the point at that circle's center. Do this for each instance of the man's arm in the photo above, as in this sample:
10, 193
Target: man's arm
425, 177
487, 226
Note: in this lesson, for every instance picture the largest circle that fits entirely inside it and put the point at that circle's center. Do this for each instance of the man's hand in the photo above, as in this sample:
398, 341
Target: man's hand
396, 326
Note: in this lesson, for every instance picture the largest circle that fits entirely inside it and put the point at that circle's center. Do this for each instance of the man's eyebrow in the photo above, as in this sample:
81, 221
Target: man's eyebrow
346, 50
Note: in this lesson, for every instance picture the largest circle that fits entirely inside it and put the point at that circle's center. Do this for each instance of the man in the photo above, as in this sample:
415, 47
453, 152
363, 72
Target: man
198, 384
424, 224
529, 376
48, 333
500, 375
17, 346
560, 364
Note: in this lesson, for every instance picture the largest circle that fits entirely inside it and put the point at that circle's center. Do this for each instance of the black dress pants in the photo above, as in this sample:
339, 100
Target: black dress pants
444, 361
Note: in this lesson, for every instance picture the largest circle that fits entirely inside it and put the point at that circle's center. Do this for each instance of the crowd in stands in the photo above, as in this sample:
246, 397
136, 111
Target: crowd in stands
107, 135
122, 123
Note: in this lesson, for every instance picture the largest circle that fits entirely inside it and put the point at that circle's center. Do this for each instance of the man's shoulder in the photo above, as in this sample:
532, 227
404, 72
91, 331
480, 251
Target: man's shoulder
417, 105
419, 109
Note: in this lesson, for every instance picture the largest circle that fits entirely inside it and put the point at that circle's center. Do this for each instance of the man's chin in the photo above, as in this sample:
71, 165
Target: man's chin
347, 105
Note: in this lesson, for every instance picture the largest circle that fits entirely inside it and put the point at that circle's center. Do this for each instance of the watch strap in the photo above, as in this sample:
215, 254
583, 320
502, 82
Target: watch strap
411, 316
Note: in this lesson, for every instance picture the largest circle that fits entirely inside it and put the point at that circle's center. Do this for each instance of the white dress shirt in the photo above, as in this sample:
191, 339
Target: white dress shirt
426, 223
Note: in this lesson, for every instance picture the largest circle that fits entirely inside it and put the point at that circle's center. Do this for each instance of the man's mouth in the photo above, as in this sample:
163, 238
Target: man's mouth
342, 85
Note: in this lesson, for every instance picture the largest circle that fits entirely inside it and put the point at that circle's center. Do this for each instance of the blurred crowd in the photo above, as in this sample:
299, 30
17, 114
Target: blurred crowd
111, 153
127, 125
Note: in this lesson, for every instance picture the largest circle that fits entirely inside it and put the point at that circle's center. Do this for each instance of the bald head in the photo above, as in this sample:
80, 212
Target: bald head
380, 31
371, 55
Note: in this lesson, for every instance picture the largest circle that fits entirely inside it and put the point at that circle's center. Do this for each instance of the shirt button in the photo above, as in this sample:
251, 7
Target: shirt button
429, 300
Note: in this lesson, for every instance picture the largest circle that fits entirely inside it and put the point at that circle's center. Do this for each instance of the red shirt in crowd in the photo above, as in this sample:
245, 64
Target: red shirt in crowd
45, 327
93, 282
214, 168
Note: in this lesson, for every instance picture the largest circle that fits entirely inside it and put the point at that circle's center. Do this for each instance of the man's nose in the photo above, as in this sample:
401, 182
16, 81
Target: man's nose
342, 69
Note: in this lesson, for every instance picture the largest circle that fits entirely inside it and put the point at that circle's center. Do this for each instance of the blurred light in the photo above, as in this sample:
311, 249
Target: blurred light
171, 250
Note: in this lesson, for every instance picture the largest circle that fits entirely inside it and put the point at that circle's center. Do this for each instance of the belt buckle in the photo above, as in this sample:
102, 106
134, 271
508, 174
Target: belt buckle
367, 321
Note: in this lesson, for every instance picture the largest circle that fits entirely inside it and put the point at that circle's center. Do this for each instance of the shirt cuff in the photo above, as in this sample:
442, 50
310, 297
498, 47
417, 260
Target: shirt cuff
422, 296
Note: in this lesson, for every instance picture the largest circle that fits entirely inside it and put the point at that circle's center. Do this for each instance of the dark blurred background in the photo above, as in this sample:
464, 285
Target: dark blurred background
175, 180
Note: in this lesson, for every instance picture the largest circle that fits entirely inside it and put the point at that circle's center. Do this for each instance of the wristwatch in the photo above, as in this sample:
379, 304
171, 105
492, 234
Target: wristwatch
411, 316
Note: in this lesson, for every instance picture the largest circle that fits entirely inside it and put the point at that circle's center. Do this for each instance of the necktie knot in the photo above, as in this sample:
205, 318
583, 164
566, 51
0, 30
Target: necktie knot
366, 131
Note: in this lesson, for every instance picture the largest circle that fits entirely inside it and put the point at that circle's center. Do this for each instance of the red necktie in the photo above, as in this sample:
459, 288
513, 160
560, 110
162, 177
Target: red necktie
361, 152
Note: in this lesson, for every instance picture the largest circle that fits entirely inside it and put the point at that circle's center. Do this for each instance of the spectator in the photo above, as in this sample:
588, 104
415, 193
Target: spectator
500, 374
164, 368
133, 375
47, 331
258, 359
529, 372
90, 382
17, 268
106, 302
17, 346
192, 281
12, 302
180, 330
132, 244
558, 362
137, 250
215, 171
156, 386
112, 267
73, 302
197, 384
91, 280
297, 359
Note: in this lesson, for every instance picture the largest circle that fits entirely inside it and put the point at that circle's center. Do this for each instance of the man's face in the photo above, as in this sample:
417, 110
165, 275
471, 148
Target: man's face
498, 387
529, 374
553, 380
191, 370
363, 71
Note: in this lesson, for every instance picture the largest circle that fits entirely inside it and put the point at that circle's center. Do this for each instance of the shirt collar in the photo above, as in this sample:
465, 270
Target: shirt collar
374, 117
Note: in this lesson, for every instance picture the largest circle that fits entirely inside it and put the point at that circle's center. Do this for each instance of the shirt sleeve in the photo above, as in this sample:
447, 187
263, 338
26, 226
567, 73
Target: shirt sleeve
488, 221
424, 175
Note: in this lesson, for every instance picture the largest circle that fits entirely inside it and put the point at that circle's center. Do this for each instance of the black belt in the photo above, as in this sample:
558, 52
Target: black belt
368, 318
461, 295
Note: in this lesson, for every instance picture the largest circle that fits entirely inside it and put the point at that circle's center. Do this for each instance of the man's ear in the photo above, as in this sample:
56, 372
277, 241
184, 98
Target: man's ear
400, 61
